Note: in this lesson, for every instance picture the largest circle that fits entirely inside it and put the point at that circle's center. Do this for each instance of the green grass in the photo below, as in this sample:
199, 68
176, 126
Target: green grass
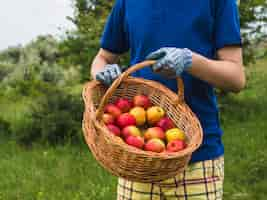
46, 173
244, 118
70, 172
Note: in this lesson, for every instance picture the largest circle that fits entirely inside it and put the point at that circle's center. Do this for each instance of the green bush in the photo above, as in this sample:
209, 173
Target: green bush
4, 127
11, 55
5, 70
54, 118
35, 83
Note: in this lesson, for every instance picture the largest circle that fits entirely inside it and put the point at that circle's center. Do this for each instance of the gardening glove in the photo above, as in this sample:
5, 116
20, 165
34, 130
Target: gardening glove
171, 62
109, 74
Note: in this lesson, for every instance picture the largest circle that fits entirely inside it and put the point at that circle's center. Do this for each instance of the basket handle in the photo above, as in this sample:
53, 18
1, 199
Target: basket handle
124, 76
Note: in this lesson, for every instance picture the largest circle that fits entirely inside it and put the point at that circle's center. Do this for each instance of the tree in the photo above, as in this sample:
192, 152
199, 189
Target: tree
253, 19
80, 45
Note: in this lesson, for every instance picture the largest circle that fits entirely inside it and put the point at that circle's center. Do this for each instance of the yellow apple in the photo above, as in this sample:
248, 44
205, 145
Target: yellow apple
154, 114
139, 114
175, 134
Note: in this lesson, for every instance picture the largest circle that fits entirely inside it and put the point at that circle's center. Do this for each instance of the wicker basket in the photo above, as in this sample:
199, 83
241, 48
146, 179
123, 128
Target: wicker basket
126, 161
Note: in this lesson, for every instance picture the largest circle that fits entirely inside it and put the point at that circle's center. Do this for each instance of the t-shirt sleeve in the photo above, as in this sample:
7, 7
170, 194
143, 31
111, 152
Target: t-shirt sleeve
227, 24
114, 37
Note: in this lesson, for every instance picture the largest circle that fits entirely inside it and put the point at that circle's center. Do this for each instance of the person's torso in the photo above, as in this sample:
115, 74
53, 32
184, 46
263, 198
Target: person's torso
152, 24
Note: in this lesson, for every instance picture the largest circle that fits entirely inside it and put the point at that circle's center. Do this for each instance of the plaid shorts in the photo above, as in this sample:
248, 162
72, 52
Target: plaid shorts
200, 181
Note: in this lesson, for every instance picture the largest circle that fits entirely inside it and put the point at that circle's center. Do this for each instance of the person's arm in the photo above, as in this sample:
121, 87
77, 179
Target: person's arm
226, 73
102, 58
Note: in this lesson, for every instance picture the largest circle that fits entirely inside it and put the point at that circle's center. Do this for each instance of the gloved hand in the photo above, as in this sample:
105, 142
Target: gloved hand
109, 74
171, 62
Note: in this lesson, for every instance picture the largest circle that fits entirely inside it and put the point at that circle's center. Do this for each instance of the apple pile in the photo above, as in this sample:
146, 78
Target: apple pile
143, 125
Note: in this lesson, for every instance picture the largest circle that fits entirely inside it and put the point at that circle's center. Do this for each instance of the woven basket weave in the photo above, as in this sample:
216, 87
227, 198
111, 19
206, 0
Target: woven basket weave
129, 162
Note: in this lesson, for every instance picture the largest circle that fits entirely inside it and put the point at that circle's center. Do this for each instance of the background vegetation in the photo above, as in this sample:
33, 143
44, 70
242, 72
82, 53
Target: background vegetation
43, 155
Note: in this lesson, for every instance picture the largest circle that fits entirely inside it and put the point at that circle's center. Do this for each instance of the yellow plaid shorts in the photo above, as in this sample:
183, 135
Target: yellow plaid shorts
200, 181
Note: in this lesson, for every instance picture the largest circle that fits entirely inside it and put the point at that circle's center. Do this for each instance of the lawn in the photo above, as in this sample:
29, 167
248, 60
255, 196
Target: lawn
46, 173
70, 173
244, 118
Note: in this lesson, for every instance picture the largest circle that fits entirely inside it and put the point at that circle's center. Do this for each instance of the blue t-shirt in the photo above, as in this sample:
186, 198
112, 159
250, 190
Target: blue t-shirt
202, 26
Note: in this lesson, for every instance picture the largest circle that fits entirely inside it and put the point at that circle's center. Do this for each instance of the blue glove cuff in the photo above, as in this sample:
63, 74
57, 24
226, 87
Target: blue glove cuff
187, 54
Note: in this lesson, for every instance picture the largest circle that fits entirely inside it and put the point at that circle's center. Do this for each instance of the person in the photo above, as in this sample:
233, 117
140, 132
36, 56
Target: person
197, 40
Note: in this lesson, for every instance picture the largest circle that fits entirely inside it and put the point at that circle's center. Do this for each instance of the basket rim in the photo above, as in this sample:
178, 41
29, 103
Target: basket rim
87, 91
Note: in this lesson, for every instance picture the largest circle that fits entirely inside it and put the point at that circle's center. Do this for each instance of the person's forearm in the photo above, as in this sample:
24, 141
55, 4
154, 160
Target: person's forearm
226, 75
103, 58
98, 65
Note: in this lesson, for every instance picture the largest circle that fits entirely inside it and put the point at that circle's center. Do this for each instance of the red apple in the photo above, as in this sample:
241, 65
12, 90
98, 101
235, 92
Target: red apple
155, 145
166, 123
141, 101
130, 130
114, 129
126, 119
124, 104
154, 132
108, 118
113, 110
135, 141
176, 145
